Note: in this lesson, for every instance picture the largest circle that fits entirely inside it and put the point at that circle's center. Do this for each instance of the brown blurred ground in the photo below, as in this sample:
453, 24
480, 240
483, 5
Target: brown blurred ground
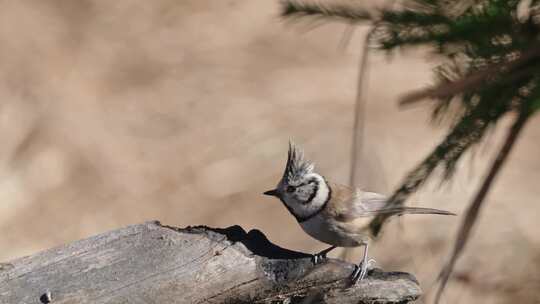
116, 113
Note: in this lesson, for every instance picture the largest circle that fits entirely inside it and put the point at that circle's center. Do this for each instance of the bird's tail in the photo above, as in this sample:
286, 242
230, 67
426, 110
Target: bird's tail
417, 210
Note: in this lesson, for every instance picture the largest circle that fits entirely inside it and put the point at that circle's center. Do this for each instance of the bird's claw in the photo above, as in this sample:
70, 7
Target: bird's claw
361, 271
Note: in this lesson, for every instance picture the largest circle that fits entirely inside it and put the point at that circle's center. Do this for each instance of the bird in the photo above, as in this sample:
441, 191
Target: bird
332, 213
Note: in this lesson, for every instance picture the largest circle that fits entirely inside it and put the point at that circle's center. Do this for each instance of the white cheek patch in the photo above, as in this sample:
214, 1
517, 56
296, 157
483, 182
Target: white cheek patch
322, 195
317, 202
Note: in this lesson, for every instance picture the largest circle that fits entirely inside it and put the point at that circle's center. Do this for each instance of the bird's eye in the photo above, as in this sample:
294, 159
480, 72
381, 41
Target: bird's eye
290, 189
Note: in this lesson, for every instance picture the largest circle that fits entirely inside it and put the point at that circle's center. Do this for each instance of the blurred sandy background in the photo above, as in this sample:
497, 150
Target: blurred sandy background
114, 113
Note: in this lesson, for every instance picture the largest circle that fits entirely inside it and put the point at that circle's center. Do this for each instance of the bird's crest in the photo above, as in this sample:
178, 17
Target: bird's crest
297, 165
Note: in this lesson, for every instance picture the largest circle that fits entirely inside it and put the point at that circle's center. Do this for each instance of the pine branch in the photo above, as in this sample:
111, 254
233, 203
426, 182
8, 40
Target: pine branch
509, 71
314, 9
467, 132
474, 208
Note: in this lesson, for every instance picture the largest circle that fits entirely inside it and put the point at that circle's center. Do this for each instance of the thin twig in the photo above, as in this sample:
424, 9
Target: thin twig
346, 37
476, 204
359, 110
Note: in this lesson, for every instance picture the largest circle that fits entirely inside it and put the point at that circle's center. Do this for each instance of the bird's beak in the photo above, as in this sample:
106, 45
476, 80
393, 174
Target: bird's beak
273, 192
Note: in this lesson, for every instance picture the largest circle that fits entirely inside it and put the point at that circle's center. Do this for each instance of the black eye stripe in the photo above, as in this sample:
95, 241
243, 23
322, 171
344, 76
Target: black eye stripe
313, 181
315, 190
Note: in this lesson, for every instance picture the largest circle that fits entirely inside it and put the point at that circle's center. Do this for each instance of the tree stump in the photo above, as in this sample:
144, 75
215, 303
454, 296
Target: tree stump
154, 263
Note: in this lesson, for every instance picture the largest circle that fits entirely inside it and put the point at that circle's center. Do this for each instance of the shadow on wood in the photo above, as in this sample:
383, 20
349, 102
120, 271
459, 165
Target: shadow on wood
153, 263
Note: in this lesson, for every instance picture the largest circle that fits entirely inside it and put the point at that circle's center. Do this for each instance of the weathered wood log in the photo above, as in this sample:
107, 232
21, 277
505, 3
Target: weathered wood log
153, 263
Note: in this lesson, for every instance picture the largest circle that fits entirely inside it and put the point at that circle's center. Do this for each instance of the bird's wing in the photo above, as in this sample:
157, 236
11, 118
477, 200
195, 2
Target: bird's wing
349, 204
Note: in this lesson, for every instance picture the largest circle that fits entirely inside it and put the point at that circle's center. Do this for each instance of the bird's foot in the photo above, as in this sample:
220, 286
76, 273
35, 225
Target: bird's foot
361, 271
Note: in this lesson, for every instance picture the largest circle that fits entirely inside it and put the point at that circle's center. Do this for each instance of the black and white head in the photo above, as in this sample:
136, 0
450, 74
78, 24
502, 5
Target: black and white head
303, 191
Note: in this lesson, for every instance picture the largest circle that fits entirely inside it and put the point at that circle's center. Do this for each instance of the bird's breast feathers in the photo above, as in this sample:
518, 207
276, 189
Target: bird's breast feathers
330, 231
